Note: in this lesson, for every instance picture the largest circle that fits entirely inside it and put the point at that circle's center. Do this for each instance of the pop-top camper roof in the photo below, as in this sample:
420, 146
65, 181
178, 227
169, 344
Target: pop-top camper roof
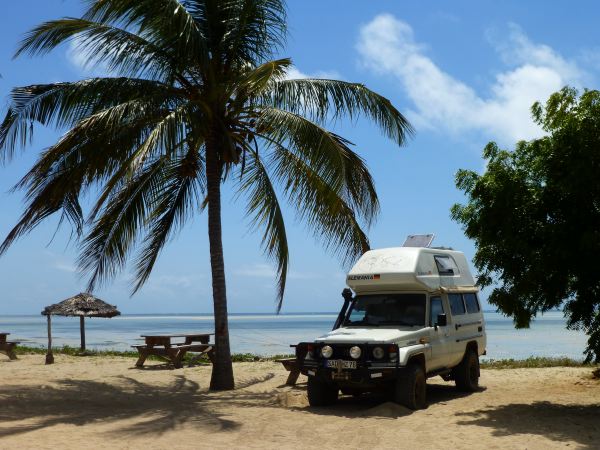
411, 268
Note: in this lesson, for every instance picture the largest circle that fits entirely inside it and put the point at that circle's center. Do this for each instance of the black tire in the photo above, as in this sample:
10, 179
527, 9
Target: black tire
466, 374
321, 393
411, 387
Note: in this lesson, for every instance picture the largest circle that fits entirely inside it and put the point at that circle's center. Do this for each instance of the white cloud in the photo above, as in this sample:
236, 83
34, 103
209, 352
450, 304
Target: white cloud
82, 61
388, 46
256, 271
172, 285
65, 267
176, 281
294, 74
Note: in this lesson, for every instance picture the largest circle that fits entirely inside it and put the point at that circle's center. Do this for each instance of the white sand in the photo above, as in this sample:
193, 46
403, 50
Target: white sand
90, 403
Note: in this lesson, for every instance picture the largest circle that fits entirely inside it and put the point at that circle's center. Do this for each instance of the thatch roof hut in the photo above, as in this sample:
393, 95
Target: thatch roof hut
82, 305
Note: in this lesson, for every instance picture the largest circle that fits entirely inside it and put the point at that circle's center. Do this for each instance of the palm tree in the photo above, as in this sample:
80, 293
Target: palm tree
194, 101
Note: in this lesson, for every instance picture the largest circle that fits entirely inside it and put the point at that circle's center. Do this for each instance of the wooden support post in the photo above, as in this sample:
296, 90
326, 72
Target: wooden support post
82, 332
49, 355
143, 351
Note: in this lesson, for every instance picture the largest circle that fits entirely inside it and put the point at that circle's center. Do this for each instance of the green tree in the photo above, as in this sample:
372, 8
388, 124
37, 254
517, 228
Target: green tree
535, 218
195, 101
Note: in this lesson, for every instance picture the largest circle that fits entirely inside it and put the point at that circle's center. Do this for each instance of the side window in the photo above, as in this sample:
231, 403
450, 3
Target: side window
456, 304
445, 265
472, 303
435, 308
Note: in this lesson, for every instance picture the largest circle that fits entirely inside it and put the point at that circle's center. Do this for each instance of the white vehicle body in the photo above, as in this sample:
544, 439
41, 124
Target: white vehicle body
440, 276
414, 270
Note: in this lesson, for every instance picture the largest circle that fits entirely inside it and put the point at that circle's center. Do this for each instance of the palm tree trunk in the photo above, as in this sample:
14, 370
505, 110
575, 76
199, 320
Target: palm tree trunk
222, 373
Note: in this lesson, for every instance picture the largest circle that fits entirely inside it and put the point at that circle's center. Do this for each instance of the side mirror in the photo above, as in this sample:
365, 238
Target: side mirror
442, 320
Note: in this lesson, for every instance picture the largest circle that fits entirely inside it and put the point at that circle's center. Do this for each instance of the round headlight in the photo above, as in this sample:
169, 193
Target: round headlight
355, 352
378, 353
326, 351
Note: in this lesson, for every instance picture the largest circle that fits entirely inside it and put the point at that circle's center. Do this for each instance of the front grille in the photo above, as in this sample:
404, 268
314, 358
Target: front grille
342, 351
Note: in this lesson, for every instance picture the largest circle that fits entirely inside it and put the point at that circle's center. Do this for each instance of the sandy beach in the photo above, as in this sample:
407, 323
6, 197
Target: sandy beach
99, 402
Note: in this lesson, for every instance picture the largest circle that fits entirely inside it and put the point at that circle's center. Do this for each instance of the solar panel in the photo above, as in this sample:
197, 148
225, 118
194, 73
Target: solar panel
418, 240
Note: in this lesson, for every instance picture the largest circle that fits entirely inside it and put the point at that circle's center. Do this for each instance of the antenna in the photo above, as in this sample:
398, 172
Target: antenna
418, 240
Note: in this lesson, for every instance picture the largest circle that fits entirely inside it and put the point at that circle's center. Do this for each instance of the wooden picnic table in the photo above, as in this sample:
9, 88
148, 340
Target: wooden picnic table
160, 345
7, 347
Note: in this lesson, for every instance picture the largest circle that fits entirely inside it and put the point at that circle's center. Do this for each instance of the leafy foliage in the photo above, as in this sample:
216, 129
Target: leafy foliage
535, 218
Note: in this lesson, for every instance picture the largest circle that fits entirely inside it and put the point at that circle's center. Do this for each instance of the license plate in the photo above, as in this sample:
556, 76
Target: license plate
339, 363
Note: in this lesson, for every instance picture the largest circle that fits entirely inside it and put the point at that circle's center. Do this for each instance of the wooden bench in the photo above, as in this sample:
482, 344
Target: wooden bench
8, 348
169, 354
291, 365
173, 354
200, 349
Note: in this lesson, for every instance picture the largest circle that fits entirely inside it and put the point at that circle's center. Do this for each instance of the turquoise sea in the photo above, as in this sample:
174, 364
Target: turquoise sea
269, 334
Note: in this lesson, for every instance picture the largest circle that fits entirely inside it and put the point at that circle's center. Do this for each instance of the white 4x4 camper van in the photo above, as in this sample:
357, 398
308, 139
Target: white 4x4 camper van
415, 314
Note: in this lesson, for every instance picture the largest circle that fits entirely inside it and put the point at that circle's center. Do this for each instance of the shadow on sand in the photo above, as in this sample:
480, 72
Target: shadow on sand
562, 423
150, 408
578, 423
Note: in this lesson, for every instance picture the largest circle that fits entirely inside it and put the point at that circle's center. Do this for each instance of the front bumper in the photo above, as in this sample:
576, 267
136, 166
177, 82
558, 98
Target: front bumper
364, 375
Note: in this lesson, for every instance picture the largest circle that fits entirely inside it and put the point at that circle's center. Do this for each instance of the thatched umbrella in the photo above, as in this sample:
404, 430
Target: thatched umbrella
82, 305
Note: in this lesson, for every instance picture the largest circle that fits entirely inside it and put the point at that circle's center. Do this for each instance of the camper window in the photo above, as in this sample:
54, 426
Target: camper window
445, 265
456, 304
472, 304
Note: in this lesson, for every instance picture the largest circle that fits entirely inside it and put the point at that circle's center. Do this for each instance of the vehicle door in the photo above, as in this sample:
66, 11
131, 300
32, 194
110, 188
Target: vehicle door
458, 328
474, 328
440, 339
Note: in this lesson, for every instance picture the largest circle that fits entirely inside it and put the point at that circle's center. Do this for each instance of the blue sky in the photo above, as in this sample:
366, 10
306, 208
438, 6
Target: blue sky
464, 72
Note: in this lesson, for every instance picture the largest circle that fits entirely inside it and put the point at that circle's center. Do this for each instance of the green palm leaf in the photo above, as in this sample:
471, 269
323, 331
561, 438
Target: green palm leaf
323, 100
265, 212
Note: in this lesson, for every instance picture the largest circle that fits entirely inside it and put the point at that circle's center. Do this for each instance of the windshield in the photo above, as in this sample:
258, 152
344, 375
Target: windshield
387, 309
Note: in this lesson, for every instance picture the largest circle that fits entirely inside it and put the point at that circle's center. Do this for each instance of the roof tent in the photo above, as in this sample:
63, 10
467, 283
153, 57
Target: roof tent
410, 268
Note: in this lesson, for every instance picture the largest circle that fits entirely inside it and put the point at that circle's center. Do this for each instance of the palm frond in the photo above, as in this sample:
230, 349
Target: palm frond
124, 170
114, 49
331, 219
264, 210
323, 100
66, 104
328, 154
254, 81
51, 199
176, 201
105, 249
126, 129
253, 29
168, 24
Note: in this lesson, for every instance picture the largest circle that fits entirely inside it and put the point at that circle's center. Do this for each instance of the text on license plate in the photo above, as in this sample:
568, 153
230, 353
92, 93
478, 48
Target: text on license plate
337, 363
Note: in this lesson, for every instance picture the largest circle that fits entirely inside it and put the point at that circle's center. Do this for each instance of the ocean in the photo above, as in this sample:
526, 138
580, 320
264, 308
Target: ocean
270, 334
